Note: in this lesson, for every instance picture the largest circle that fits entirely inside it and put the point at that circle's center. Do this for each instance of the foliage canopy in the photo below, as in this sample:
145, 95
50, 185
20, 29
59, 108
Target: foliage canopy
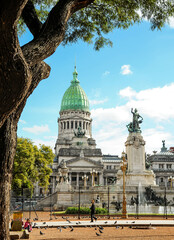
92, 23
31, 164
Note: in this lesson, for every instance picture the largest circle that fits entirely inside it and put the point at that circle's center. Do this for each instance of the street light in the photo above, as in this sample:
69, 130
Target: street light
123, 168
171, 179
85, 178
93, 174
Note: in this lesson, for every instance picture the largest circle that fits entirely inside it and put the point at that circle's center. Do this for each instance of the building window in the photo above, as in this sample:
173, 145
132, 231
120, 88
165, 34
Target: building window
83, 125
75, 124
71, 124
169, 166
109, 167
161, 180
80, 124
161, 166
67, 125
64, 125
74, 179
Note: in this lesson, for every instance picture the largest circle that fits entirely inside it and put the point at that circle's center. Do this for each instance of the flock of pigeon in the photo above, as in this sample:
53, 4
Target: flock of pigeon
99, 228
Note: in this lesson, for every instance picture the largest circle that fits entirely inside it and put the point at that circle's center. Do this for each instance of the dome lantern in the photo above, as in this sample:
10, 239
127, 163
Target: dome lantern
75, 98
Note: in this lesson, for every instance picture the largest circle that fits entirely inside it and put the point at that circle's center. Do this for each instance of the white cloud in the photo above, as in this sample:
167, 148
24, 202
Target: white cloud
51, 140
171, 22
37, 129
106, 73
22, 121
154, 105
125, 70
97, 102
127, 92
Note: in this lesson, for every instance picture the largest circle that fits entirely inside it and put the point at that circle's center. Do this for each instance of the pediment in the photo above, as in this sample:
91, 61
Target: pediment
84, 162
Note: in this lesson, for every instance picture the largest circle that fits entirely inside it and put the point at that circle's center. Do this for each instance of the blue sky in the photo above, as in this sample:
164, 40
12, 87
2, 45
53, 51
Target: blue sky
138, 71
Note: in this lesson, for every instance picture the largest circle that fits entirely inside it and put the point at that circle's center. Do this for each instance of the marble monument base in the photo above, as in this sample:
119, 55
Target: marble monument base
145, 178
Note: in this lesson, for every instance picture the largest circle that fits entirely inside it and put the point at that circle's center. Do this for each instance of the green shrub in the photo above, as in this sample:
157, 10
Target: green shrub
101, 211
84, 210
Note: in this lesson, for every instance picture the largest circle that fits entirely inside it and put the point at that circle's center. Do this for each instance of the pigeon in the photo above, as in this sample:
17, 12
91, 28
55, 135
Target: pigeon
63, 217
68, 220
133, 222
60, 229
122, 227
95, 228
115, 222
98, 234
117, 226
64, 227
100, 231
41, 233
101, 227
72, 230
106, 222
44, 222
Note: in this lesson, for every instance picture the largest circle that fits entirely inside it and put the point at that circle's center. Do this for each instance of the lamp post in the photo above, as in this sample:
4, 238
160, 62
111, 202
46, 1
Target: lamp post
79, 203
123, 168
171, 179
85, 178
93, 174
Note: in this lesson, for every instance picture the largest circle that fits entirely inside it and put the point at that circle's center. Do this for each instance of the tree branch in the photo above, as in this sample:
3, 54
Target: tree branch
39, 71
52, 32
31, 19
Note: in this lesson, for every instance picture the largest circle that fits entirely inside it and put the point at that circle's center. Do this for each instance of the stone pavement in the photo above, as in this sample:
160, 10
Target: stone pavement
106, 223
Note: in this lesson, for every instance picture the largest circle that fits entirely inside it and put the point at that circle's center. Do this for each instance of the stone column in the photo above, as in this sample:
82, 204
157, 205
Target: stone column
84, 177
92, 177
70, 178
166, 180
77, 180
100, 178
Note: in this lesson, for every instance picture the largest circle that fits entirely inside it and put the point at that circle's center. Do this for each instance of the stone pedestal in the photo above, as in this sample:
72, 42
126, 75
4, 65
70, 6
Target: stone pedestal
136, 172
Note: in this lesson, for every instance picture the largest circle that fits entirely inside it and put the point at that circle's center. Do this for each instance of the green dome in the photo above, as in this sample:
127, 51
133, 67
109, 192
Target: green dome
75, 98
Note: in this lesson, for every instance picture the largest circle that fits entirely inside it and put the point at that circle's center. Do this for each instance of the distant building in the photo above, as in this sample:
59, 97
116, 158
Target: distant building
162, 163
75, 148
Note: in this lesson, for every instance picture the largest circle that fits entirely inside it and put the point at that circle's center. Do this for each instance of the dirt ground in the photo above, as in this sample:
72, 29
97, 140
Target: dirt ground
160, 233
81, 233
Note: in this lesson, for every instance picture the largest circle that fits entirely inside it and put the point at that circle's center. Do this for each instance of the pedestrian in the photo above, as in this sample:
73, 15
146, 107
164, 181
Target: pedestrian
28, 225
93, 211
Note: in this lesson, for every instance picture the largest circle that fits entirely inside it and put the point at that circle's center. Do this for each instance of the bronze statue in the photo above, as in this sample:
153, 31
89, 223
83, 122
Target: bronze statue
137, 119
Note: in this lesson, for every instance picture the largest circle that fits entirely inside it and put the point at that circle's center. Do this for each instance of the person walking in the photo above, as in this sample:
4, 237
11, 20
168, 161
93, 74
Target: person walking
93, 211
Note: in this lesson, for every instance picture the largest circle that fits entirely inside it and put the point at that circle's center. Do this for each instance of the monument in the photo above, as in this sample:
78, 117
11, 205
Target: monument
136, 174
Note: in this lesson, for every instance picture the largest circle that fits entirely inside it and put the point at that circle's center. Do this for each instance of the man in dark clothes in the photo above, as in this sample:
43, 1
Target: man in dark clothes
93, 211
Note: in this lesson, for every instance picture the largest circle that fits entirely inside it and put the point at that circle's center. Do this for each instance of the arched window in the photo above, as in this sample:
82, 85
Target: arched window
64, 125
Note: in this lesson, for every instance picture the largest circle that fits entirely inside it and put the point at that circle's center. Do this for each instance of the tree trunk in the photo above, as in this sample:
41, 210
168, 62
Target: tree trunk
8, 140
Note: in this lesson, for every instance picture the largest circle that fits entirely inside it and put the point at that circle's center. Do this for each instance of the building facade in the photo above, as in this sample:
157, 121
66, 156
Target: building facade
76, 149
162, 163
